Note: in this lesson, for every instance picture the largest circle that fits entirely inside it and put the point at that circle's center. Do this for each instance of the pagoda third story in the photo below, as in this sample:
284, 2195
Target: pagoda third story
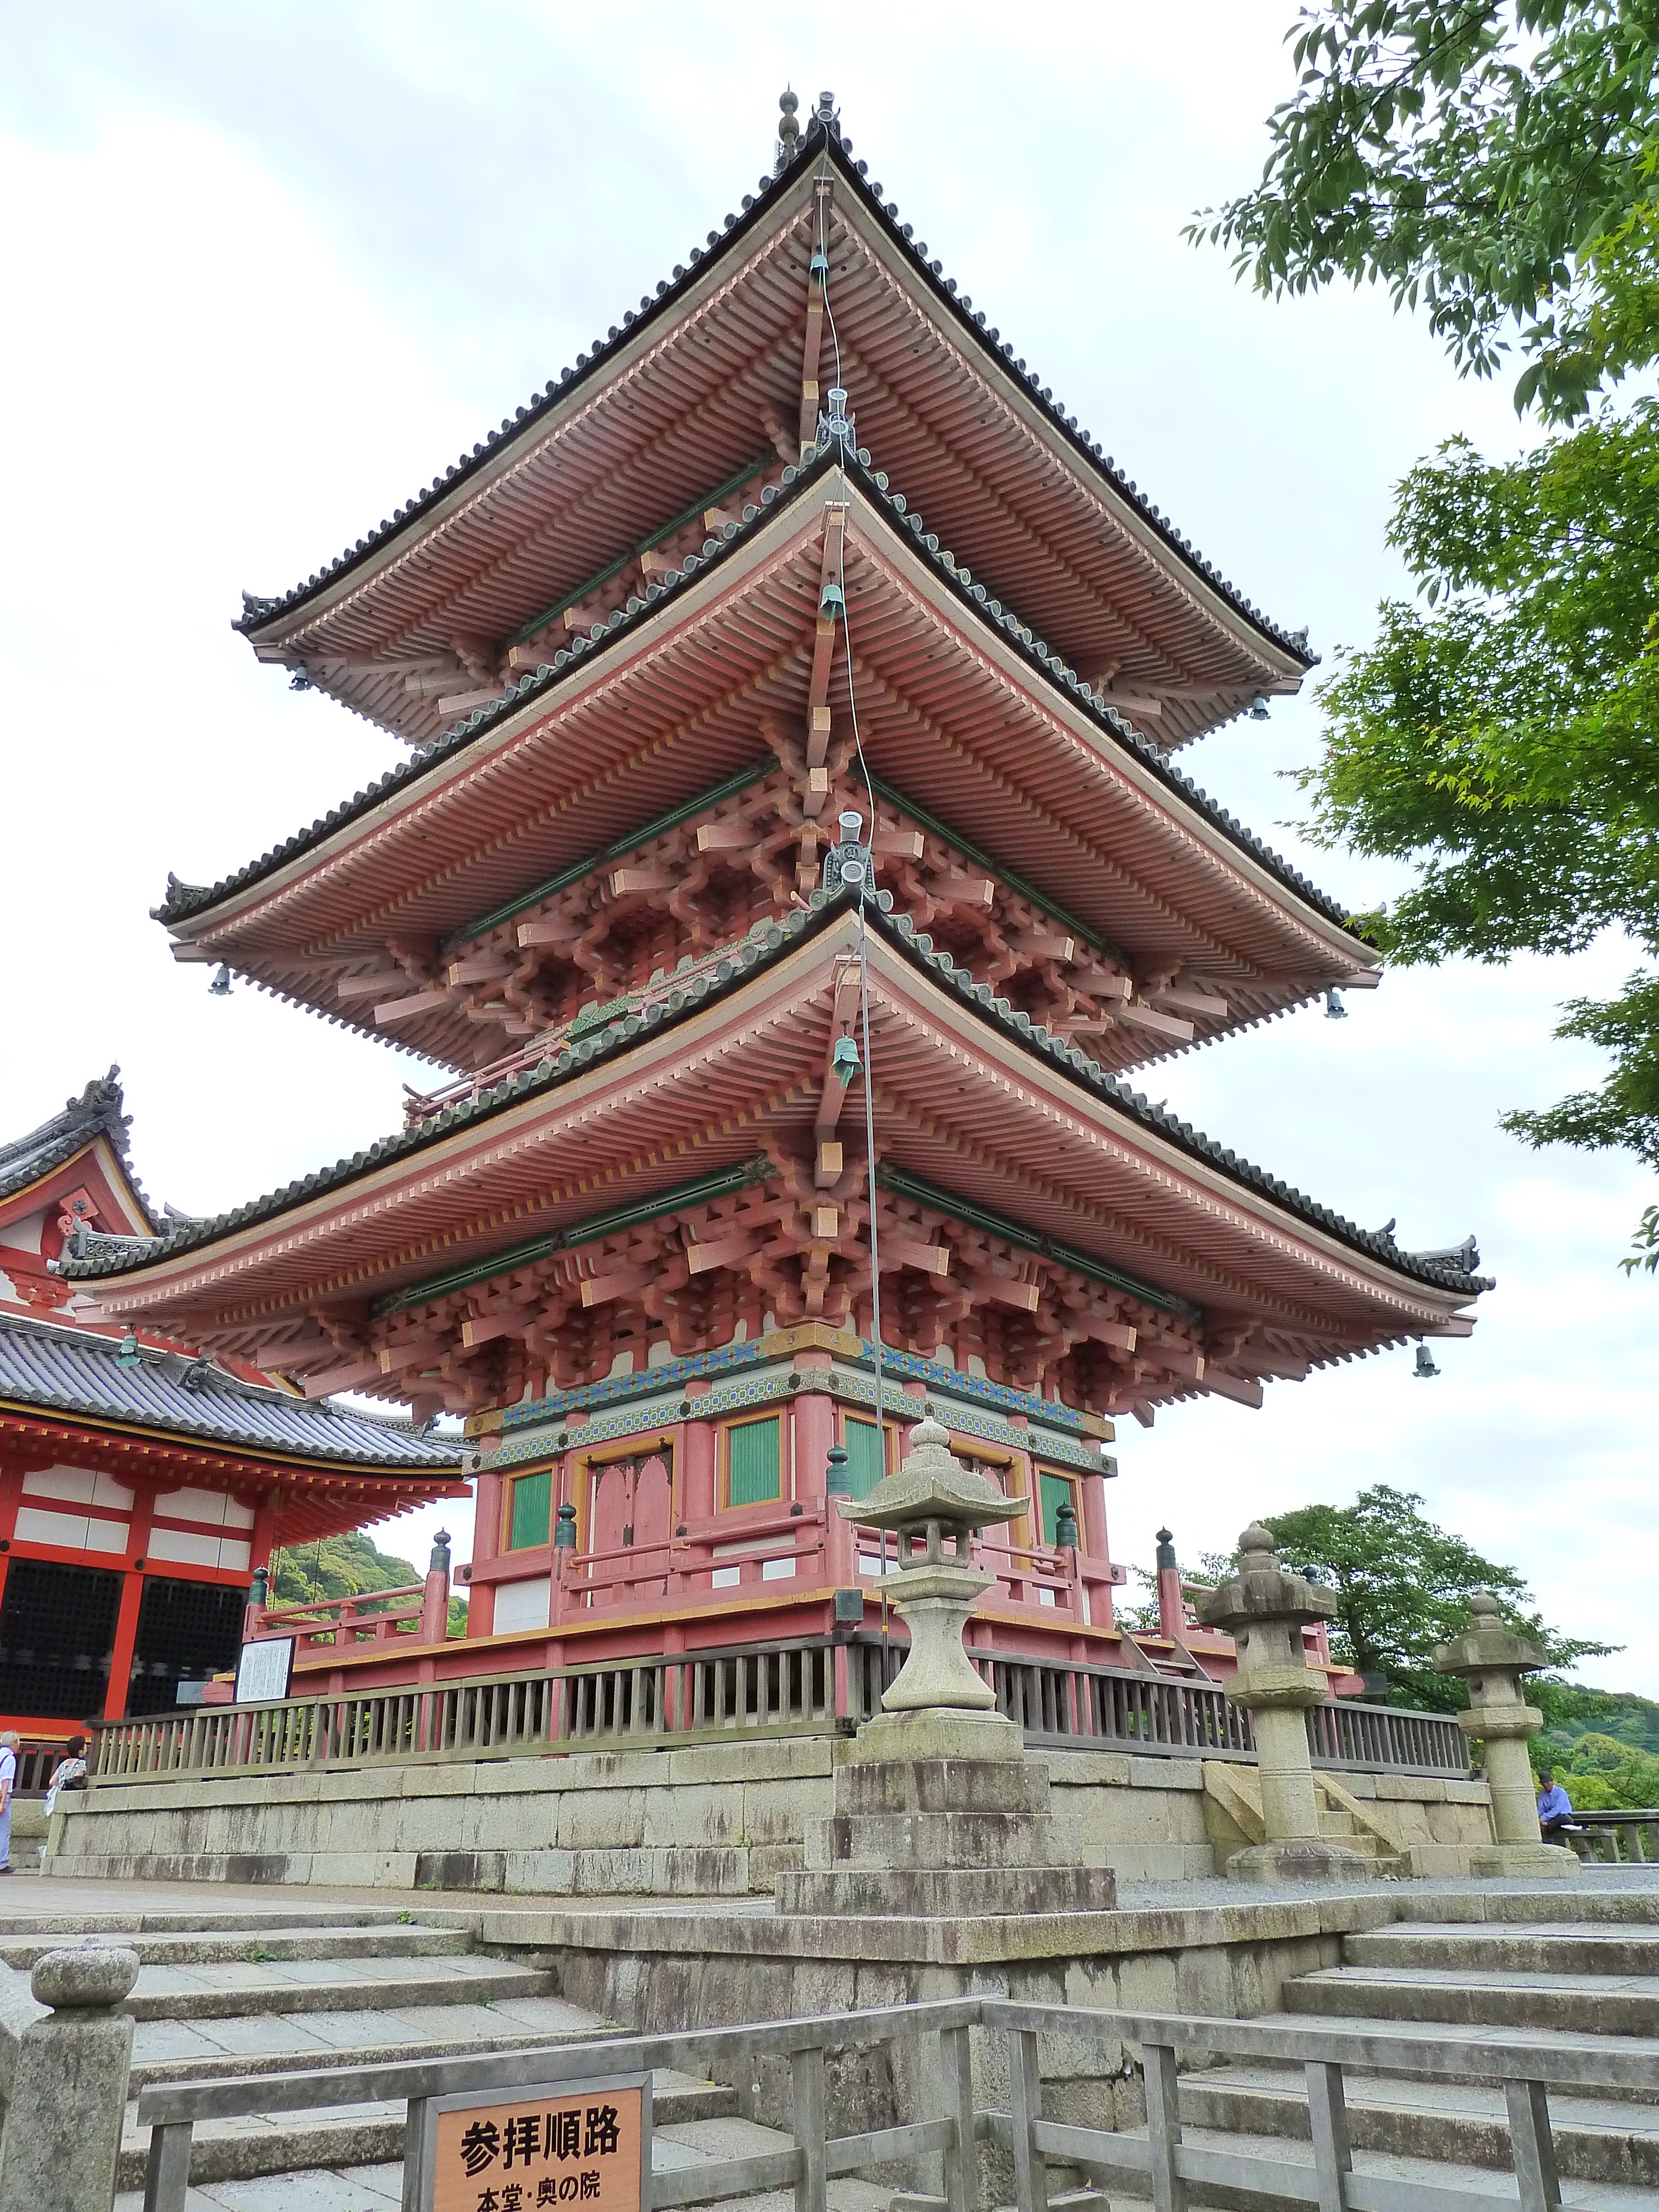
793, 691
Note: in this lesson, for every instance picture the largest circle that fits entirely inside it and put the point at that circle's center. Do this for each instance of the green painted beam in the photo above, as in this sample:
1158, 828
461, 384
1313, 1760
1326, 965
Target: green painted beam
722, 1184
686, 811
1005, 875
905, 1185
744, 475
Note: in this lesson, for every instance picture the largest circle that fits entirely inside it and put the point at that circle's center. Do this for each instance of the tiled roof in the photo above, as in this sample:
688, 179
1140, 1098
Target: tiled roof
74, 1371
817, 139
184, 900
1449, 1271
97, 1112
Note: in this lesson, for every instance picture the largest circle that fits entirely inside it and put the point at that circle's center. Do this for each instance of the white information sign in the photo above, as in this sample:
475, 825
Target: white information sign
264, 1671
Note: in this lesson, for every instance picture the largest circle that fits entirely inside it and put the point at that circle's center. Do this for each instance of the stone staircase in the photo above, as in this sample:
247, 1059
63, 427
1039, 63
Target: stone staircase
1234, 1791
1589, 1970
246, 1992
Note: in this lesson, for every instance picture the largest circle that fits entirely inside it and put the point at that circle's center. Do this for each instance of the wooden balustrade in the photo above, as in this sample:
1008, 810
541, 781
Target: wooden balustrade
949, 2124
807, 1686
1618, 1837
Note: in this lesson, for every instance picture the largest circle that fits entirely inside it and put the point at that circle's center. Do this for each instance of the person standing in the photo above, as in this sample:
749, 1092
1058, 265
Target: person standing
69, 1773
1554, 1807
10, 1743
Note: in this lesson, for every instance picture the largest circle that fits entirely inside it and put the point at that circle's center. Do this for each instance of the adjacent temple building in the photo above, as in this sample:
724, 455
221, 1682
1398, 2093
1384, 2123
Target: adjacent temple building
141, 1480
793, 695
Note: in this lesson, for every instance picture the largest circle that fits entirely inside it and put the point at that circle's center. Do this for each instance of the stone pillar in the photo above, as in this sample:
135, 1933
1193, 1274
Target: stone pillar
1492, 1660
67, 2092
1264, 1608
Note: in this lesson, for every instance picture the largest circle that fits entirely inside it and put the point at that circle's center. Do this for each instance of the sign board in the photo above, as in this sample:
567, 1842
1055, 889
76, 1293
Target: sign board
265, 1670
585, 2145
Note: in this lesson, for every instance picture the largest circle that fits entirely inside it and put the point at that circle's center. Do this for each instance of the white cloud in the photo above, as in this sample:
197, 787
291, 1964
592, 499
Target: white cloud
277, 266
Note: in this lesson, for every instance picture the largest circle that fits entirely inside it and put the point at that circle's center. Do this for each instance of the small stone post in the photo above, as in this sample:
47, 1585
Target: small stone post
1491, 1659
66, 2089
1171, 1606
1264, 1608
434, 1602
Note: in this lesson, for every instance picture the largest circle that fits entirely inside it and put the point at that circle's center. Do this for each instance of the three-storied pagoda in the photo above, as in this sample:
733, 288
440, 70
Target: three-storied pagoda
815, 757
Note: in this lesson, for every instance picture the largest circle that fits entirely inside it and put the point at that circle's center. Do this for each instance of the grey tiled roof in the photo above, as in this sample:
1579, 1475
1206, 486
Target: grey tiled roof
76, 1370
815, 144
96, 1112
184, 900
1449, 1271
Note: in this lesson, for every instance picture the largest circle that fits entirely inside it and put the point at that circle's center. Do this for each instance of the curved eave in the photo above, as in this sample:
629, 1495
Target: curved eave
229, 1458
278, 916
626, 1092
368, 601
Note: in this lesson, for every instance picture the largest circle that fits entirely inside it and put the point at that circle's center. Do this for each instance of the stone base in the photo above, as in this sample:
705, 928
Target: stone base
938, 1732
1304, 1859
1437, 1861
1528, 1859
947, 1893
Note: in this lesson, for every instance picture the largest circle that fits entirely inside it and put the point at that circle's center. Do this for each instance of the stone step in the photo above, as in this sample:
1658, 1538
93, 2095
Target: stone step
1620, 1897
160, 1918
1456, 2036
236, 1988
256, 1945
1602, 2197
270, 2043
1541, 1947
1571, 2004
346, 2136
1596, 2139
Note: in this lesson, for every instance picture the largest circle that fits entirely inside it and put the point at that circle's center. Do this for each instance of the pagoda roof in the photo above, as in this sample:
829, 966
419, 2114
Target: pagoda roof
1122, 833
98, 1112
966, 1088
705, 380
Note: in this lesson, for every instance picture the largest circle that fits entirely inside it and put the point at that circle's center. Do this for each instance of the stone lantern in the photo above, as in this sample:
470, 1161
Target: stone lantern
937, 1813
1491, 1659
941, 1705
1264, 1609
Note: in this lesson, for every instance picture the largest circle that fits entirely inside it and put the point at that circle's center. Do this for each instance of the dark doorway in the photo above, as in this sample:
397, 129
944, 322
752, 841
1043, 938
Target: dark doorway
57, 1635
186, 1631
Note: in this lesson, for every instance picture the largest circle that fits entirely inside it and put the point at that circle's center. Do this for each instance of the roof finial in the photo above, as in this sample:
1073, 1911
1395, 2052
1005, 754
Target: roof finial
788, 130
826, 118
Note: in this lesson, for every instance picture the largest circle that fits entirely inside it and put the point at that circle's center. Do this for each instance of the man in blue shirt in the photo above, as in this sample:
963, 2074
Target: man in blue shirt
1554, 1807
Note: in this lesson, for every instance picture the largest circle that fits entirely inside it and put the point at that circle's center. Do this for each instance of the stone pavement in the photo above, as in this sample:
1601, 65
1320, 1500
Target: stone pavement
245, 1979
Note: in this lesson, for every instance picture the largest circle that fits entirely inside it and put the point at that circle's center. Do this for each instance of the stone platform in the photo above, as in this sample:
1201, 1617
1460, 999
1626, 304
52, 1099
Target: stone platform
705, 1820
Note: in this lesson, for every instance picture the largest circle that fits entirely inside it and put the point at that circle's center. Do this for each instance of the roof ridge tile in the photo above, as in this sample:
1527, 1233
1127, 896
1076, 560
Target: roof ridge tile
814, 141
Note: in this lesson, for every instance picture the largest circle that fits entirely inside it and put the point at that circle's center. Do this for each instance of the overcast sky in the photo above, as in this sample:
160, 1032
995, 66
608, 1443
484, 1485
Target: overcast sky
267, 269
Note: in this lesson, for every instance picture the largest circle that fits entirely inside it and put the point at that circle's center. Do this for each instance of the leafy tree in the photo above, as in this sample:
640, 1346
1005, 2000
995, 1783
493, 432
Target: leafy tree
1491, 163
1574, 1713
347, 1566
1497, 163
1402, 1585
1600, 1771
